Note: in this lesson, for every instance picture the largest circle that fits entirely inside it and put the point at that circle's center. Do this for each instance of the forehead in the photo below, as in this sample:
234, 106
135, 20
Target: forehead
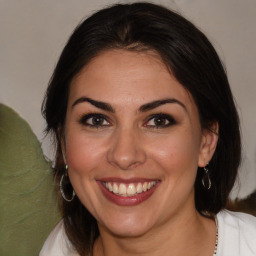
127, 77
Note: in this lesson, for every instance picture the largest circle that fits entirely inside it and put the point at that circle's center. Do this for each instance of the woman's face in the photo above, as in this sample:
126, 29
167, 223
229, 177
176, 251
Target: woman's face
133, 142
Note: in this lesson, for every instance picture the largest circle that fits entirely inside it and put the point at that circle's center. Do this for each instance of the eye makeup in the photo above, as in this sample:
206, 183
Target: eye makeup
159, 120
154, 121
94, 120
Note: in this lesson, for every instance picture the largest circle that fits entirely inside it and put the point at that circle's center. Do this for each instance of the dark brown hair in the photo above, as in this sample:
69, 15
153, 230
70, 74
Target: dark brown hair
192, 60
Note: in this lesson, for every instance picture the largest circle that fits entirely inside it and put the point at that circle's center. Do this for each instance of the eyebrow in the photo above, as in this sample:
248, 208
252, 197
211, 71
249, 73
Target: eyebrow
157, 103
146, 107
98, 104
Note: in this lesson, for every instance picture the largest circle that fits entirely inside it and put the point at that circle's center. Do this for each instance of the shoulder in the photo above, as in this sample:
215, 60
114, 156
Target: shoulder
237, 232
57, 243
243, 222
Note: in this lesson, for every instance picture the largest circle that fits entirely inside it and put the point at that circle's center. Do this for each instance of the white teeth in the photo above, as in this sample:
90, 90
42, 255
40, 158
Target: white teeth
129, 189
115, 188
145, 186
151, 184
139, 188
110, 187
122, 189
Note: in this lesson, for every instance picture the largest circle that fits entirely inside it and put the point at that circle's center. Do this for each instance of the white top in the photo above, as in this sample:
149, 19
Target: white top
237, 237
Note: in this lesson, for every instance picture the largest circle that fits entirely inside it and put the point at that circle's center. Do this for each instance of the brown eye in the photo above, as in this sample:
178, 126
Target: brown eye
160, 121
94, 120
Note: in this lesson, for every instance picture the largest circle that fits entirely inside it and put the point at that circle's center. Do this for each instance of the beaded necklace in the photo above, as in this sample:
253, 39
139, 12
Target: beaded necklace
217, 238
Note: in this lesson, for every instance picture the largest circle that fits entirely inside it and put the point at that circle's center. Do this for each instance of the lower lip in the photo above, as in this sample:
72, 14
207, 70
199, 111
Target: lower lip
128, 200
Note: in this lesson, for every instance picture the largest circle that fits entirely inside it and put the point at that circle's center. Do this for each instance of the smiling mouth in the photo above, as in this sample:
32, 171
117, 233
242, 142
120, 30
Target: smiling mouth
130, 189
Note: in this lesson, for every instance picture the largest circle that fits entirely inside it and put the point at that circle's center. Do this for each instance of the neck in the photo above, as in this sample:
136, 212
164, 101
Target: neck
194, 231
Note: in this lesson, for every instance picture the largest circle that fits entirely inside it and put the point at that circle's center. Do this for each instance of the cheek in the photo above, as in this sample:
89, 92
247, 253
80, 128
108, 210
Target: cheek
176, 153
85, 158
83, 153
177, 157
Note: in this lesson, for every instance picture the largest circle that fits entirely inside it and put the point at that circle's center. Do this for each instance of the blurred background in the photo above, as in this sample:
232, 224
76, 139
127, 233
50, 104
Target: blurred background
33, 34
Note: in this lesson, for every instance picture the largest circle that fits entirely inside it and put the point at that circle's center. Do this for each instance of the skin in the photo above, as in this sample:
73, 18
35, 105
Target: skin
128, 144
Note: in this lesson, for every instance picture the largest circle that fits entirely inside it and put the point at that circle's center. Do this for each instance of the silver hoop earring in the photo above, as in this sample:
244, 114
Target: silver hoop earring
206, 181
61, 188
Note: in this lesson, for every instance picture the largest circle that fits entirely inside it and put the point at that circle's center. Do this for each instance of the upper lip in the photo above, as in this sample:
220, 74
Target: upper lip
129, 180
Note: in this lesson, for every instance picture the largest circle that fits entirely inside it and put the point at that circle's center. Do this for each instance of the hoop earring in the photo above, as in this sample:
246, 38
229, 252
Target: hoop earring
206, 181
61, 188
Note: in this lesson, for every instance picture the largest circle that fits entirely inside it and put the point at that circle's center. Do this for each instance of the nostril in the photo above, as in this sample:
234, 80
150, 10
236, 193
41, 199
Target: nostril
126, 160
126, 151
123, 162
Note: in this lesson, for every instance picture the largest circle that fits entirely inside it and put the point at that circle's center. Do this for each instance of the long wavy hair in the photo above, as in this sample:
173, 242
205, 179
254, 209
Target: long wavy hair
191, 59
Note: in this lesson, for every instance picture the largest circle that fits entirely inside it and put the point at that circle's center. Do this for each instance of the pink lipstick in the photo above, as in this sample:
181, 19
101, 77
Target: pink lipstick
128, 192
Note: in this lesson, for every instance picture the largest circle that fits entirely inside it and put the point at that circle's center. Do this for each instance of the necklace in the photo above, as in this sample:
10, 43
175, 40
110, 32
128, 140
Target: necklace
217, 237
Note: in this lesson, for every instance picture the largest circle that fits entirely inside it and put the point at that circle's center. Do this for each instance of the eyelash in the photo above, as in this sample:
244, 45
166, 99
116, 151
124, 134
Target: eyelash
85, 118
162, 117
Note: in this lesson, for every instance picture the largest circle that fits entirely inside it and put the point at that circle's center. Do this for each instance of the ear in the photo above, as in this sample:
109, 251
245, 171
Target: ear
208, 144
61, 136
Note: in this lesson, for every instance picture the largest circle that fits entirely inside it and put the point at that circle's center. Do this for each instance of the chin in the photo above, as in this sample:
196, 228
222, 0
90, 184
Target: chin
130, 226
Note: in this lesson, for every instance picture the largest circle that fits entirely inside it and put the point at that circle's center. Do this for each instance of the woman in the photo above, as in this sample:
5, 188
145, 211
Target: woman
148, 141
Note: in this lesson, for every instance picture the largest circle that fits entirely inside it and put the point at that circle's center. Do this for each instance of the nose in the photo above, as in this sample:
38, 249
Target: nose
126, 150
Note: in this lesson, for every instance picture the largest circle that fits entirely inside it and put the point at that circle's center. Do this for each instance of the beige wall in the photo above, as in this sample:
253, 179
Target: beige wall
33, 34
